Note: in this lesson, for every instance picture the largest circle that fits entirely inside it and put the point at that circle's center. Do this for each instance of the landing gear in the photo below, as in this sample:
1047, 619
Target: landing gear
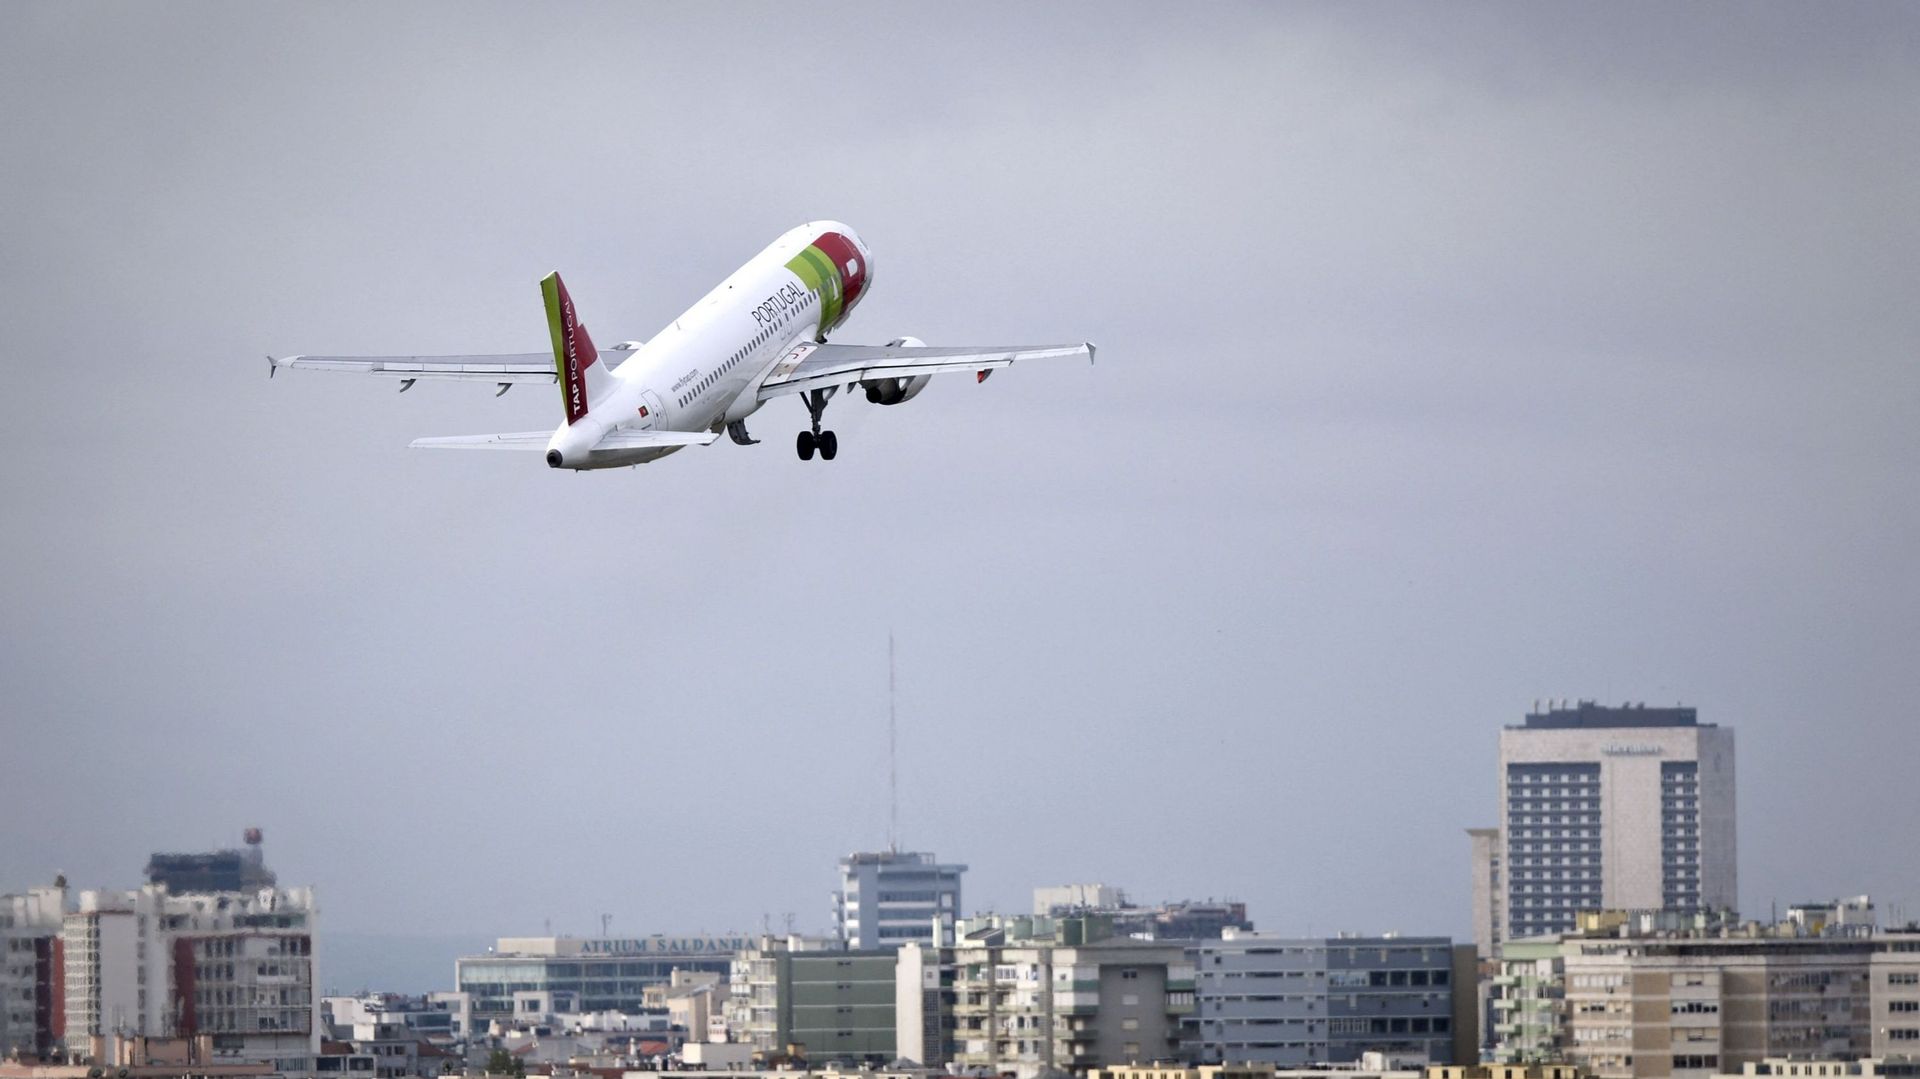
807, 442
816, 439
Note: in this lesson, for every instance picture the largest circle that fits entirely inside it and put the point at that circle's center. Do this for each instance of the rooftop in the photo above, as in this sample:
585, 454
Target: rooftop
1587, 715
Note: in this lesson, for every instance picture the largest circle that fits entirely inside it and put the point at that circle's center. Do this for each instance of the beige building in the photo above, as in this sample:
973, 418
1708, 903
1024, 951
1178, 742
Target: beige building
1649, 998
1487, 898
141, 1057
1813, 1069
1894, 972
1180, 1071
1506, 1071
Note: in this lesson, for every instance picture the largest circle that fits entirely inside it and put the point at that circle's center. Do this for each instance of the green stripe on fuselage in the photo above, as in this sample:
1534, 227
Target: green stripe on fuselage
832, 292
807, 272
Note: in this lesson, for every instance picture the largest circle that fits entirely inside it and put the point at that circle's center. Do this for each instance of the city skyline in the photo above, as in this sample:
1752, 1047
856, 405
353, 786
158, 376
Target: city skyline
1450, 359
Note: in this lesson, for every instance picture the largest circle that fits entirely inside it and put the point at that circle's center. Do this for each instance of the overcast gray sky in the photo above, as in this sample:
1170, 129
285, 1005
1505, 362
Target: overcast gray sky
1451, 357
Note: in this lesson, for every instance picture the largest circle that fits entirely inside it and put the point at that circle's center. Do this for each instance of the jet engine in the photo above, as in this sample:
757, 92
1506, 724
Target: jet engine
892, 391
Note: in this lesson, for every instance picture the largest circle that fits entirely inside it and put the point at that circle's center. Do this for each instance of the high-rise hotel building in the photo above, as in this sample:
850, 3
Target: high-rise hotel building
1627, 808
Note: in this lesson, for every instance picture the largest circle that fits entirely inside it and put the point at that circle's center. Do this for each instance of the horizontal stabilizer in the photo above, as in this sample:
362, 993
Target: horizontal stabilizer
513, 367
537, 440
640, 440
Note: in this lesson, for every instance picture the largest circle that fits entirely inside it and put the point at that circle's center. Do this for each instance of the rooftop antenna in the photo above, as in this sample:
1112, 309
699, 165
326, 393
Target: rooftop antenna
893, 757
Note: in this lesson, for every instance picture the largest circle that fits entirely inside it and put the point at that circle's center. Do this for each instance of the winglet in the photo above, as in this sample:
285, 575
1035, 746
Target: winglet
1091, 349
573, 351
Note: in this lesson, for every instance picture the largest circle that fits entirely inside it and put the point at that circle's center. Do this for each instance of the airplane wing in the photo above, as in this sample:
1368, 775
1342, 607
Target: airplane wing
537, 440
810, 367
505, 368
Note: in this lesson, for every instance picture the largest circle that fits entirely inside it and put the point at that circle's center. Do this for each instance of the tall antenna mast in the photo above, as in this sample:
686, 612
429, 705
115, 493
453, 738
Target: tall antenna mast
893, 757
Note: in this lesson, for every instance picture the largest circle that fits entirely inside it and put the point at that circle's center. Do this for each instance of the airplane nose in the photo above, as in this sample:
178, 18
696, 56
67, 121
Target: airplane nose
554, 459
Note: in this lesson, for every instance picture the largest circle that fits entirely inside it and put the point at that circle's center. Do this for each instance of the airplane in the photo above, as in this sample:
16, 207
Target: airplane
759, 334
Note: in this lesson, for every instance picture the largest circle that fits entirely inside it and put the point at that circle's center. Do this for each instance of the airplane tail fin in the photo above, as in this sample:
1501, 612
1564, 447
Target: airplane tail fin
583, 378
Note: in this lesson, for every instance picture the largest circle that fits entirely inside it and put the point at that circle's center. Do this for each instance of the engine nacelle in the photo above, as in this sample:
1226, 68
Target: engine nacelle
893, 391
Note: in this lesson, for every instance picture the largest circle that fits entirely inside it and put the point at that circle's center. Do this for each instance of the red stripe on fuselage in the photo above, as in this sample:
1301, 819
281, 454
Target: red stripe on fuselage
844, 254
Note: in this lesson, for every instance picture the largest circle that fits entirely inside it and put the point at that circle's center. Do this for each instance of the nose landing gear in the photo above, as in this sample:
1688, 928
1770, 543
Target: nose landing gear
816, 439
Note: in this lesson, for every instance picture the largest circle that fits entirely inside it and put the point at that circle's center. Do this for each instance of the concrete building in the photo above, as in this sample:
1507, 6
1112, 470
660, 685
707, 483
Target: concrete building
595, 974
1602, 808
923, 1016
1789, 1068
1067, 898
242, 870
32, 971
1528, 1005
890, 898
1488, 894
816, 997
1894, 975
1505, 1071
238, 967
1372, 1066
1026, 996
1651, 995
1294, 1001
441, 1018
692, 1000
137, 1056
1182, 919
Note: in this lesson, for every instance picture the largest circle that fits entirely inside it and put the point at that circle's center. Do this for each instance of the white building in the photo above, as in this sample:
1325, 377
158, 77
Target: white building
29, 968
1626, 808
587, 974
236, 966
890, 898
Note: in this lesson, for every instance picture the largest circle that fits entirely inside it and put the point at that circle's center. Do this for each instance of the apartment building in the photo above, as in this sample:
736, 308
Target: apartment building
1643, 996
1029, 995
236, 966
1893, 974
1294, 1001
831, 1002
32, 971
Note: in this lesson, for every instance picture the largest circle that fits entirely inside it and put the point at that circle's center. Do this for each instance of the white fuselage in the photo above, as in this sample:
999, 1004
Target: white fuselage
704, 370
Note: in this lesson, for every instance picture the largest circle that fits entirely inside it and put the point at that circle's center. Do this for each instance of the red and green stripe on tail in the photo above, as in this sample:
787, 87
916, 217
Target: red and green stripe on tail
573, 350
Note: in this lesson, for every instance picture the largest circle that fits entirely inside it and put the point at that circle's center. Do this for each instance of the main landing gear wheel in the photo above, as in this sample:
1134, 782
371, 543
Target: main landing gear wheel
816, 439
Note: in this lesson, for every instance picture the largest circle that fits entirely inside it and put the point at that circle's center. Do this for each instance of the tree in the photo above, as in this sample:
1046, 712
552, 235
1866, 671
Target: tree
501, 1062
